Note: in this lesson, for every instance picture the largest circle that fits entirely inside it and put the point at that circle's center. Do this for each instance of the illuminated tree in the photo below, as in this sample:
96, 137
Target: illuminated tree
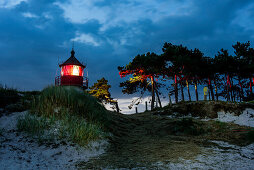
100, 90
144, 69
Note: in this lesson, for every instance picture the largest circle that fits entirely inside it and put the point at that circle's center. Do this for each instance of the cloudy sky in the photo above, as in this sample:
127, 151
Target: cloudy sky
109, 33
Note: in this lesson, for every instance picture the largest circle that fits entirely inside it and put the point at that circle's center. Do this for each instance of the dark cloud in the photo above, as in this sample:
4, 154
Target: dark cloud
30, 46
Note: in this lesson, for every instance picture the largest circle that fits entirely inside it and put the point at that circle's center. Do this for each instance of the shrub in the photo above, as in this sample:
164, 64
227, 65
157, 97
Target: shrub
8, 96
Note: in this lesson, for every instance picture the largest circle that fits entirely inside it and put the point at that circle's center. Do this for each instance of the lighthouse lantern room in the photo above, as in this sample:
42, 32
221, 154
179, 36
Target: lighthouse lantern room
72, 73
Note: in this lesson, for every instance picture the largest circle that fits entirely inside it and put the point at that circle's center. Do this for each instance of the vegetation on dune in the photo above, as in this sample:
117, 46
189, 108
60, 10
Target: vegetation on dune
69, 127
12, 100
8, 96
75, 115
56, 101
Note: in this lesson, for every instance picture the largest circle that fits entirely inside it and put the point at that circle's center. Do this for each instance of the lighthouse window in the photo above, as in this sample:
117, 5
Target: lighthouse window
75, 71
71, 70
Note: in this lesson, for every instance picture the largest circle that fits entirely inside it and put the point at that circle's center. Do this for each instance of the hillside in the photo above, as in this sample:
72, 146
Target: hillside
189, 135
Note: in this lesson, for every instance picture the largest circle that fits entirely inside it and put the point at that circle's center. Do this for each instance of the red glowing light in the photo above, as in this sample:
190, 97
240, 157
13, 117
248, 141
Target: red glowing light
71, 70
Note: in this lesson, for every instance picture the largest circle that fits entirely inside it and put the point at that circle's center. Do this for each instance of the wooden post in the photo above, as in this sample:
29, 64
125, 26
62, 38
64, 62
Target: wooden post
170, 101
146, 106
117, 107
136, 108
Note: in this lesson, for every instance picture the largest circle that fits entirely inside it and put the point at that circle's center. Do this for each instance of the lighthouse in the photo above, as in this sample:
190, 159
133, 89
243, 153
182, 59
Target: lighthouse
72, 73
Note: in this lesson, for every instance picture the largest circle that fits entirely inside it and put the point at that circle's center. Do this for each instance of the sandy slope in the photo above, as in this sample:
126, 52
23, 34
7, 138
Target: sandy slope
17, 151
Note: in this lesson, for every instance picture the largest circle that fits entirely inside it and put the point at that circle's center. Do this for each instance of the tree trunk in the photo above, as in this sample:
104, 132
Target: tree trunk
176, 90
227, 87
157, 93
196, 90
181, 84
216, 90
231, 89
188, 88
153, 96
211, 89
241, 89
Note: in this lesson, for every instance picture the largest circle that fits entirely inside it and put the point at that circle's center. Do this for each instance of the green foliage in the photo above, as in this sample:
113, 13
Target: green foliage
69, 127
54, 101
8, 96
100, 90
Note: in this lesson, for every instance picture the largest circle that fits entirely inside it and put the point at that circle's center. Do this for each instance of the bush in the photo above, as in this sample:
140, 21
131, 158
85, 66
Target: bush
8, 96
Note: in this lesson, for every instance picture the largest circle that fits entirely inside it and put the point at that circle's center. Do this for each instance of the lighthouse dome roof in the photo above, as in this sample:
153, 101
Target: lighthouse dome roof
72, 60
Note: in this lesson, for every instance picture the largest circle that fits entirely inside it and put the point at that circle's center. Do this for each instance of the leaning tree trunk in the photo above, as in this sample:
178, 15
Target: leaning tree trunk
188, 88
153, 96
157, 93
196, 89
176, 90
181, 84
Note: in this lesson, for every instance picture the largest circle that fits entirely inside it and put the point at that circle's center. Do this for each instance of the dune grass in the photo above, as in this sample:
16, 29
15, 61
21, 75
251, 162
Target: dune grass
50, 128
70, 111
56, 100
32, 124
